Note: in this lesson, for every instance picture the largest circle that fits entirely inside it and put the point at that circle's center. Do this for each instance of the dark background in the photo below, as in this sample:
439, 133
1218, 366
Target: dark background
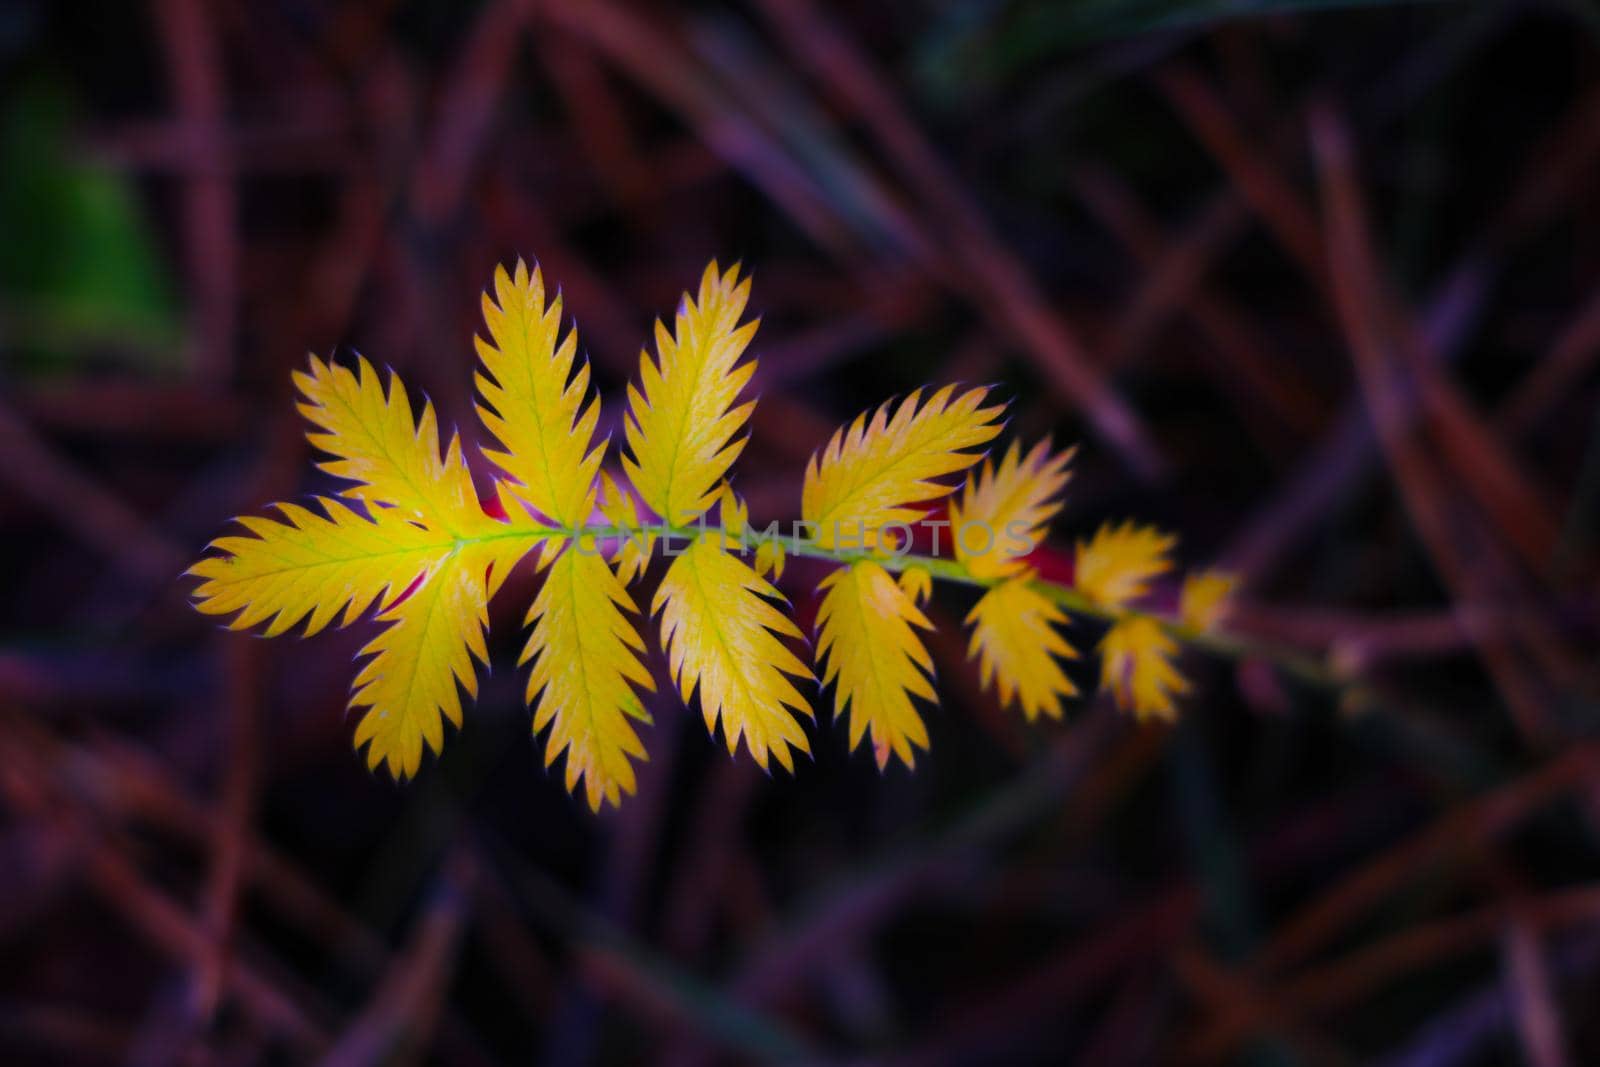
1315, 289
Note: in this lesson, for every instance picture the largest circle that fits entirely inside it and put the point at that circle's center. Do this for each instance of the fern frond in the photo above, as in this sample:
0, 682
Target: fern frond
407, 540
682, 417
874, 659
311, 564
722, 637
421, 660
1015, 638
393, 460
532, 399
1010, 506
1136, 666
872, 471
1114, 567
589, 660
1203, 601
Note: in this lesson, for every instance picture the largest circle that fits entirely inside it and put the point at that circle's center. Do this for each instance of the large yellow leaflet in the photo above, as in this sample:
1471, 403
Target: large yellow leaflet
587, 653
682, 419
875, 660
418, 660
375, 443
1015, 639
869, 473
533, 401
316, 565
722, 636
1003, 513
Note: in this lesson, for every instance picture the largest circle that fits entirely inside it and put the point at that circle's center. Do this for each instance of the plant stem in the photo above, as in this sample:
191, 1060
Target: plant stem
1308, 669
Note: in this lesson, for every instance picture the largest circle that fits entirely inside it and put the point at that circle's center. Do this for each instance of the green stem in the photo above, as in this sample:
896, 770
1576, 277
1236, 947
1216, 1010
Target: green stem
1308, 669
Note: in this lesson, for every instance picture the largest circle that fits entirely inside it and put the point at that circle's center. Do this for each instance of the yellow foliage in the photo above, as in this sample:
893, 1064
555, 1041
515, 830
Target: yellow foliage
874, 659
722, 637
1136, 666
872, 471
407, 540
1015, 639
681, 417
1114, 568
1012, 506
533, 402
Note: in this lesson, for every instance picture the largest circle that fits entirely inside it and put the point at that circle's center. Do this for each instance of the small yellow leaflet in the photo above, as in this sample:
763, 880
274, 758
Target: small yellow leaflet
619, 509
1015, 638
1136, 666
1204, 599
874, 659
770, 557
872, 471
917, 583
1010, 508
1114, 568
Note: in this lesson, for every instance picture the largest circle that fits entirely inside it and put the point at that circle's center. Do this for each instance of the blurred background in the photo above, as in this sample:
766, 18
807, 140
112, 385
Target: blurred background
1313, 284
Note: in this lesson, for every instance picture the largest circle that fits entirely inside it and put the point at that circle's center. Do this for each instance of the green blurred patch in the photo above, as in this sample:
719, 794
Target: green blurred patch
989, 42
81, 278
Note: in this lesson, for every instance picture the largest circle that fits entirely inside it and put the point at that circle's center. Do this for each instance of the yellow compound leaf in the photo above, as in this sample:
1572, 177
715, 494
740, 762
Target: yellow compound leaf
590, 658
533, 399
1015, 638
407, 538
392, 459
1114, 568
421, 660
770, 557
1136, 666
1204, 599
872, 471
682, 418
874, 659
1003, 513
722, 637
619, 509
